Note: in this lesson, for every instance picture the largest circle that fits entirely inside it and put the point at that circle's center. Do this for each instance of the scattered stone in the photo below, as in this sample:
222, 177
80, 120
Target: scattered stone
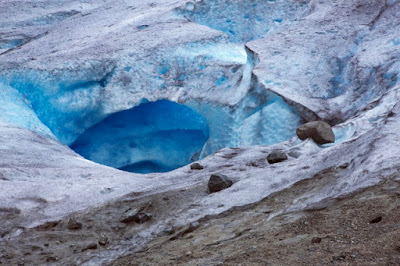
316, 240
376, 220
218, 182
191, 228
90, 246
133, 215
254, 164
37, 248
103, 240
51, 259
276, 157
295, 154
196, 166
321, 132
74, 225
47, 226
339, 257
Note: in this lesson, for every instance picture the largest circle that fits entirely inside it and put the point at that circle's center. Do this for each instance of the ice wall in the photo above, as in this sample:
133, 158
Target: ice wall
211, 74
16, 110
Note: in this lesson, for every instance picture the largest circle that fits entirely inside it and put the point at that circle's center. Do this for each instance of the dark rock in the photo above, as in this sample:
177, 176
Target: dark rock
218, 182
196, 166
316, 240
74, 225
339, 257
37, 248
133, 215
47, 226
376, 220
90, 246
276, 157
319, 131
51, 259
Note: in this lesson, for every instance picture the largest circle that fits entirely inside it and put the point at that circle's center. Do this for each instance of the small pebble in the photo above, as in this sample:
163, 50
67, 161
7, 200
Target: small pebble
103, 240
74, 225
90, 246
316, 240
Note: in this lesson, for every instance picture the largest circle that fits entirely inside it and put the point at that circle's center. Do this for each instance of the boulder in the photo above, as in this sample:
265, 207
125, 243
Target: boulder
321, 132
218, 182
196, 166
276, 157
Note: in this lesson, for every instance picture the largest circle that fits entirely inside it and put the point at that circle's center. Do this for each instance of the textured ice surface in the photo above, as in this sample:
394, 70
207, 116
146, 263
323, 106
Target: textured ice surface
333, 60
244, 21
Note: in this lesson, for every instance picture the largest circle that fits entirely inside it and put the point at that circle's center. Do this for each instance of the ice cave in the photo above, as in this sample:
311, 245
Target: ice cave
152, 137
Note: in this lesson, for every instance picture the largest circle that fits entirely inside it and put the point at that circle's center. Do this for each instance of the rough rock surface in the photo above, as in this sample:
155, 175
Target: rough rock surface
321, 132
218, 182
196, 166
338, 233
276, 157
135, 216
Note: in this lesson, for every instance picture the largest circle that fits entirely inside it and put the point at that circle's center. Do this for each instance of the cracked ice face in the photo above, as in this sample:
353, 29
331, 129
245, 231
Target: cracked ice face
152, 137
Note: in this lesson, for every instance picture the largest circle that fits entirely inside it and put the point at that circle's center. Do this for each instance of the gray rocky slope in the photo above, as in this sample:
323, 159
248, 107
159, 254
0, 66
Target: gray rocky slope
254, 69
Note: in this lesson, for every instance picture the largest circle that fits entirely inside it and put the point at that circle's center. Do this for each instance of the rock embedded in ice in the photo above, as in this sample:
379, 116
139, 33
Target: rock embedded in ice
136, 216
90, 246
316, 240
196, 166
295, 153
276, 157
321, 132
103, 240
218, 182
74, 225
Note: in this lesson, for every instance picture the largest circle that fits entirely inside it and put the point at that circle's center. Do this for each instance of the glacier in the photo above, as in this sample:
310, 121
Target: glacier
90, 88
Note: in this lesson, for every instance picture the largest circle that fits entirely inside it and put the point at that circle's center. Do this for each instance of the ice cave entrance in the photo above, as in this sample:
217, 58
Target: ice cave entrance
152, 137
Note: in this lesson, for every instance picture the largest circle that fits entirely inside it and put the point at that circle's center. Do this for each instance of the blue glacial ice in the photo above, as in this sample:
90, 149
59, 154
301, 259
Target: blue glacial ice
16, 110
65, 103
83, 103
152, 137
223, 106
